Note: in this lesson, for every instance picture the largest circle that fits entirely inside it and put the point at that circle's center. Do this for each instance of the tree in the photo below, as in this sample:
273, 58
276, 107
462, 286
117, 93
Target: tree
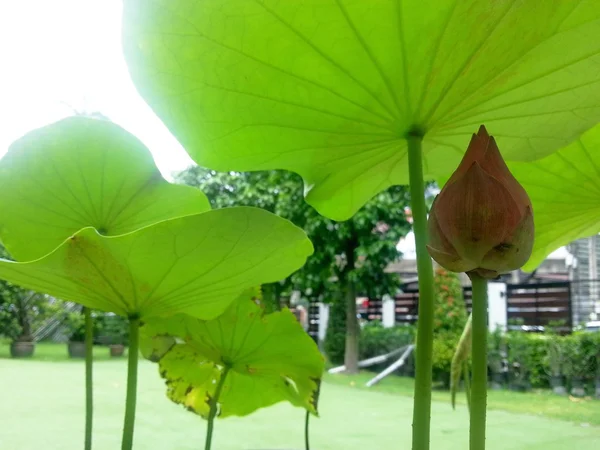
350, 257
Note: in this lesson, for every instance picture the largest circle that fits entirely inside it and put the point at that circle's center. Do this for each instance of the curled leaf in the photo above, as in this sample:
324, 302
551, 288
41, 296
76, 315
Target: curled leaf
460, 358
269, 358
82, 172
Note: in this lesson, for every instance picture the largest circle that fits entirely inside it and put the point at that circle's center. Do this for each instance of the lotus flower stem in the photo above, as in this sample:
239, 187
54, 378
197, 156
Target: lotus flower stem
89, 393
422, 396
306, 431
479, 356
214, 402
132, 369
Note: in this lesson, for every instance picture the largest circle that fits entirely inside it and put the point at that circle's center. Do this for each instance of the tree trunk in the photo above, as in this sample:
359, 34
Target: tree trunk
349, 291
352, 330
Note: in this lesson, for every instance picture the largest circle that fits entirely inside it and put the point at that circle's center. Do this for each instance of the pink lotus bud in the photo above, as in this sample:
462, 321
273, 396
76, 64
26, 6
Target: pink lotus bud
482, 220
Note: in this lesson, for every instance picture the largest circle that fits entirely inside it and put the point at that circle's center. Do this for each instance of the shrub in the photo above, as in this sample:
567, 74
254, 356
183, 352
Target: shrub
9, 314
74, 322
538, 364
590, 343
519, 358
115, 329
556, 355
21, 312
581, 355
534, 358
527, 359
594, 339
376, 340
444, 347
496, 350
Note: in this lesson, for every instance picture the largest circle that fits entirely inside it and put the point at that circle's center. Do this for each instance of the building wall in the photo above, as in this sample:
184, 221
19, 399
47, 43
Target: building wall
585, 287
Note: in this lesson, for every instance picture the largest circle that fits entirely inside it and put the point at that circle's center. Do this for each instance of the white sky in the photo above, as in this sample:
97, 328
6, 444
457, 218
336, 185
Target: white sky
60, 55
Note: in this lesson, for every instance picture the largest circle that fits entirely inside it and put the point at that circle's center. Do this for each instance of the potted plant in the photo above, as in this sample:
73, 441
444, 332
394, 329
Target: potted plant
19, 310
555, 361
116, 330
75, 324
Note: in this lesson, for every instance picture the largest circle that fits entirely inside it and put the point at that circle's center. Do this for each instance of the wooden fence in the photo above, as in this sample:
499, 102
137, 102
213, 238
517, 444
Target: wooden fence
538, 305
531, 305
374, 310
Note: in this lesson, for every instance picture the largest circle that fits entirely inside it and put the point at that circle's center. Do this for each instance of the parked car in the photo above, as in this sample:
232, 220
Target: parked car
594, 325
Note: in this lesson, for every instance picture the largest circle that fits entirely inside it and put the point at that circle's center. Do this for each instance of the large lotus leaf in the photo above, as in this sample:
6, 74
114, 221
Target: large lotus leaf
195, 264
565, 192
270, 359
81, 172
330, 88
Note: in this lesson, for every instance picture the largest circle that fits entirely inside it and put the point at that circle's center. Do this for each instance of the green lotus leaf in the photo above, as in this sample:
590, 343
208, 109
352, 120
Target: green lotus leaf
81, 172
565, 190
331, 88
195, 264
153, 348
270, 358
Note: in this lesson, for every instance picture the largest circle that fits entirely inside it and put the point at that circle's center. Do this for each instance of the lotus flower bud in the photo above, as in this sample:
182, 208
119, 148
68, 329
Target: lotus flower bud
482, 220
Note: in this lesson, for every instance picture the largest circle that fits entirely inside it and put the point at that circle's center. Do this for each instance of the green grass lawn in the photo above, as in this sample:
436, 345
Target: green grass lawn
53, 353
41, 405
537, 402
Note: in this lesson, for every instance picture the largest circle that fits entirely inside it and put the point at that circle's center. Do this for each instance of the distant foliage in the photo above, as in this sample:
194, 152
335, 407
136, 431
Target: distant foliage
20, 310
527, 362
582, 355
377, 340
335, 337
533, 358
450, 316
450, 313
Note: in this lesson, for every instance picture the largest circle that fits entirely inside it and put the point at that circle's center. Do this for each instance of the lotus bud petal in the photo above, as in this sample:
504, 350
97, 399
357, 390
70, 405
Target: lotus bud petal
482, 220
